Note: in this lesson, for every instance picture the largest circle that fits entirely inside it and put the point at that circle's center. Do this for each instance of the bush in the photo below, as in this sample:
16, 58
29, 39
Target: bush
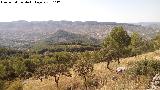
2, 71
93, 82
145, 67
1, 85
16, 85
19, 67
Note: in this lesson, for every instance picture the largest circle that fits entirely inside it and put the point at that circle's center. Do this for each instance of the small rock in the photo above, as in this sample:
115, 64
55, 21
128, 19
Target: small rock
120, 70
155, 84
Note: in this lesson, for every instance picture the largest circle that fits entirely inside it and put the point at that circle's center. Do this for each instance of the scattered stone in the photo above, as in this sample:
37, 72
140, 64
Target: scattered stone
155, 84
120, 70
114, 78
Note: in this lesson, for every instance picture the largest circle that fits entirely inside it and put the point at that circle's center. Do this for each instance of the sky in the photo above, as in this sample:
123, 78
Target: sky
127, 11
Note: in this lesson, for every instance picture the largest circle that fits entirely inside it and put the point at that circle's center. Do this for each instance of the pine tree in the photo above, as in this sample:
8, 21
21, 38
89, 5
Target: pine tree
136, 44
116, 44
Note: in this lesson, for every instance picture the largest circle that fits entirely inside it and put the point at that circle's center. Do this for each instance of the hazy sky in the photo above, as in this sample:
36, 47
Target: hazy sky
83, 10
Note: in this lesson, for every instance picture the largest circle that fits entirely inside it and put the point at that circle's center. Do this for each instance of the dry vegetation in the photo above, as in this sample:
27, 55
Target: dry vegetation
87, 70
101, 74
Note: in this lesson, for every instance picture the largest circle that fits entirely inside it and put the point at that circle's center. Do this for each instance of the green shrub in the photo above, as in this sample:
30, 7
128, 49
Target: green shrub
2, 71
19, 67
1, 85
145, 67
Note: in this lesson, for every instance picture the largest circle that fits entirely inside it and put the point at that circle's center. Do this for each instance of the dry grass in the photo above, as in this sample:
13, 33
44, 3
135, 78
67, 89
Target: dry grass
104, 75
49, 84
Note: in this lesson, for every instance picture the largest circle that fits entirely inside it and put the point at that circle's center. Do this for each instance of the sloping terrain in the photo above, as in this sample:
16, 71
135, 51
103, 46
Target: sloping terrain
101, 73
62, 36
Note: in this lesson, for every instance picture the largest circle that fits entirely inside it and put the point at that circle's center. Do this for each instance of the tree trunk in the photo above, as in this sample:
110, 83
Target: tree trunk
85, 80
108, 62
118, 60
41, 79
57, 81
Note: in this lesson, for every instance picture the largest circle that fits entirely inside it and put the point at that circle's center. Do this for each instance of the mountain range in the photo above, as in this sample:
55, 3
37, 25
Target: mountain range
23, 33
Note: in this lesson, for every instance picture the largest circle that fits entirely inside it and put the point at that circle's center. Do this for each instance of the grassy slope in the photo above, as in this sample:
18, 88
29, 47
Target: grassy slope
102, 73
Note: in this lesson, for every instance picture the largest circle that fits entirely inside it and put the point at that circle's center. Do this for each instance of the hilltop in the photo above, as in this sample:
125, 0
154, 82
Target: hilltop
62, 36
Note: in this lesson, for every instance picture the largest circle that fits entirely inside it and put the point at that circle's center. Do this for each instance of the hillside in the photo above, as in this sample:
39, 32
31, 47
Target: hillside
65, 60
22, 34
91, 28
102, 73
62, 36
66, 41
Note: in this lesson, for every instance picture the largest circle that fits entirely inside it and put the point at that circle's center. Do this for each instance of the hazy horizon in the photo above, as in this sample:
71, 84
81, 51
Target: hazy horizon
78, 21
123, 11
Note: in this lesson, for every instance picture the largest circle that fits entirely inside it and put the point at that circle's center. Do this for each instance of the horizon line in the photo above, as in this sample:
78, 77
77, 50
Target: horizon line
78, 21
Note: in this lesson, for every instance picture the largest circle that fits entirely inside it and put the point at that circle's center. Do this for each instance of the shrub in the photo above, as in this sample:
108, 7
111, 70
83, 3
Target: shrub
19, 67
145, 67
2, 71
16, 85
93, 82
1, 85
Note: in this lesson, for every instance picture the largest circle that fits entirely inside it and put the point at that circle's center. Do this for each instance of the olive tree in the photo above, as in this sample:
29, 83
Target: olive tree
84, 68
59, 66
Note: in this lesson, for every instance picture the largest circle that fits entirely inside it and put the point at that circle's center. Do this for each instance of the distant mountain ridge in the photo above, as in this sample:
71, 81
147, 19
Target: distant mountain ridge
23, 33
92, 28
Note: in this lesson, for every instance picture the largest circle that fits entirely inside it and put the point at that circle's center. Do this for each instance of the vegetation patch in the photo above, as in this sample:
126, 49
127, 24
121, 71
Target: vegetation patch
145, 67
